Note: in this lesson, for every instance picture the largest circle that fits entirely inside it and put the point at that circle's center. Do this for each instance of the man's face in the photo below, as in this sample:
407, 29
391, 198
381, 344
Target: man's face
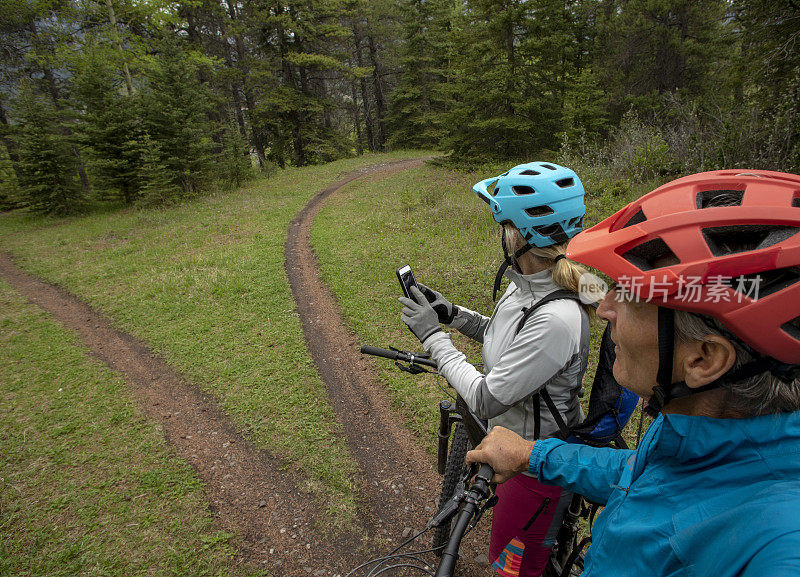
634, 328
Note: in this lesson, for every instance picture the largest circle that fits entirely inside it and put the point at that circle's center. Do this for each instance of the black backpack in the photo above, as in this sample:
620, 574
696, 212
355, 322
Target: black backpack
610, 405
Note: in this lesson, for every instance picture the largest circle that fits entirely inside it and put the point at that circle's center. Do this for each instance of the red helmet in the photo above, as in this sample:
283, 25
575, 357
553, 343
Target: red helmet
738, 262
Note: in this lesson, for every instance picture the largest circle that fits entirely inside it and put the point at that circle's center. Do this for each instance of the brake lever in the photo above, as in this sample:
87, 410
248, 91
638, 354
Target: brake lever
420, 355
490, 502
450, 508
412, 368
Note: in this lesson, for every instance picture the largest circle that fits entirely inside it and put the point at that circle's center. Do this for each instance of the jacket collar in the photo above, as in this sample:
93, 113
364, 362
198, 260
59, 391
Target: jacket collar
688, 438
538, 284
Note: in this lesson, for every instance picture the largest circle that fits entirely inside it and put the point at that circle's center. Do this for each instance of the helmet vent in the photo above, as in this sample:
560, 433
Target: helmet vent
765, 283
635, 219
724, 240
529, 172
554, 231
713, 198
521, 190
539, 211
792, 328
548, 166
796, 200
651, 254
565, 182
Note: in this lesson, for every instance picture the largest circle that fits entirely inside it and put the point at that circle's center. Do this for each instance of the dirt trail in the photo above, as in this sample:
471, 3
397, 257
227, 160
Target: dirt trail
398, 482
393, 468
280, 525
250, 492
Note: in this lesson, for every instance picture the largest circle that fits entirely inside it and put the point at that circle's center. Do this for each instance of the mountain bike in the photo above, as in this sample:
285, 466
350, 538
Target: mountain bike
466, 494
456, 420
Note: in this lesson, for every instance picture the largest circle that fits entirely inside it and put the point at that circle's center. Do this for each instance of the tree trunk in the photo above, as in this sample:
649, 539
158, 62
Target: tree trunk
297, 132
127, 73
356, 119
366, 99
256, 136
380, 102
55, 95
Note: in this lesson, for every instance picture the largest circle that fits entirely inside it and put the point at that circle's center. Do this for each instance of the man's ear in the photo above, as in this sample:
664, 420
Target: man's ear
703, 362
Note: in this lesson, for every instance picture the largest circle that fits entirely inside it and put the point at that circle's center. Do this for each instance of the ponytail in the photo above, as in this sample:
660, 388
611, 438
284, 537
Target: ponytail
566, 274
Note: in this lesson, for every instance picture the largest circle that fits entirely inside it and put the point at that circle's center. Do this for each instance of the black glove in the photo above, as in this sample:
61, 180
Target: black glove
446, 310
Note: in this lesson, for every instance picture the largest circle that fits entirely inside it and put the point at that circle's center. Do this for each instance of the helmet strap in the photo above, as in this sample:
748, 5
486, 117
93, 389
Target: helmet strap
510, 260
665, 390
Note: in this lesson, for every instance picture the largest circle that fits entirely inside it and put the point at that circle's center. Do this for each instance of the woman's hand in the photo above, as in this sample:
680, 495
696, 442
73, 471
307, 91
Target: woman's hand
505, 451
443, 307
419, 315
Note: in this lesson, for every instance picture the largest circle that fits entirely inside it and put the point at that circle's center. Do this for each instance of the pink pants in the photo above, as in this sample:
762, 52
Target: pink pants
530, 512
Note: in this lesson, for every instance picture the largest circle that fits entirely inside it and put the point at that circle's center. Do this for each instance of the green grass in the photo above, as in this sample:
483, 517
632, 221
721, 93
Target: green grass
87, 485
428, 218
204, 284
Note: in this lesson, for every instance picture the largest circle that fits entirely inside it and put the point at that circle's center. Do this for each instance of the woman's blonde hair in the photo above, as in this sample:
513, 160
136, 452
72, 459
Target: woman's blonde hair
566, 274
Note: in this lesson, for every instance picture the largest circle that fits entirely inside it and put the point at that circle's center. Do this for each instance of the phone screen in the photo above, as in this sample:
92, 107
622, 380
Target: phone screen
407, 280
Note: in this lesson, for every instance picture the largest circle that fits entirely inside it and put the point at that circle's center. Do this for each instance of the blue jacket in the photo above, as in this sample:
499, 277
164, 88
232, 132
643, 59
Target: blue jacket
699, 496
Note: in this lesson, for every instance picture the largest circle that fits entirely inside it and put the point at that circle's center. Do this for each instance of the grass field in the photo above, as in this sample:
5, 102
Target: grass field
203, 283
88, 486
428, 218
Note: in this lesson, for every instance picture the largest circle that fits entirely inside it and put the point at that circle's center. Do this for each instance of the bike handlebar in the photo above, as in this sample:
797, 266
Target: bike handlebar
477, 493
398, 356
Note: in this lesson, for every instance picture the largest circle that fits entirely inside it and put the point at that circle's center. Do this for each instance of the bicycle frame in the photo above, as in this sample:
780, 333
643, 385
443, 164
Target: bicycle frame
457, 412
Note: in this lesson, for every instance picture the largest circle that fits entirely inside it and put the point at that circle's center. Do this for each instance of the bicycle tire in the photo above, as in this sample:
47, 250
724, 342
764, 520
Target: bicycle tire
453, 473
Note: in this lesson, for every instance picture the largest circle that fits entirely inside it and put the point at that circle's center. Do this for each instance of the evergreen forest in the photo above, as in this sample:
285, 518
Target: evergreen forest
149, 101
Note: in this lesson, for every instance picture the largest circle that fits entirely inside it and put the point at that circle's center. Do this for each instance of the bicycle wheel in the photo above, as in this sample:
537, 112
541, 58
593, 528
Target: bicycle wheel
453, 473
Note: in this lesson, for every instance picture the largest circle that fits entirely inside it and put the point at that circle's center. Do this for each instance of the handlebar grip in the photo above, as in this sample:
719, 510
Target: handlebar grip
378, 352
485, 472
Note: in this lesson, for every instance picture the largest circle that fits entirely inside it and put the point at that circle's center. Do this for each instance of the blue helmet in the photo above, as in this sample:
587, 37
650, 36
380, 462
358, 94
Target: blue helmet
543, 200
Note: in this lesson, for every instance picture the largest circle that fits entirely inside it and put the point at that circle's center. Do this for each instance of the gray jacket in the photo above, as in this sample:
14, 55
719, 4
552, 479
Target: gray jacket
551, 350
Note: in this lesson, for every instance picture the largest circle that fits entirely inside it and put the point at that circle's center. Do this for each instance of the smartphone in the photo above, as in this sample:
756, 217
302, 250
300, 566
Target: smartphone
407, 280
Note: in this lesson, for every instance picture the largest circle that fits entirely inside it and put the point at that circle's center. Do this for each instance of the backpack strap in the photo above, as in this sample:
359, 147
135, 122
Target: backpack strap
527, 312
542, 393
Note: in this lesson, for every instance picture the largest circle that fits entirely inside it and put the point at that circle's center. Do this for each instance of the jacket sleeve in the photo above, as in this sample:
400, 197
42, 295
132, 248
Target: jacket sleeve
470, 323
779, 558
462, 376
591, 471
536, 355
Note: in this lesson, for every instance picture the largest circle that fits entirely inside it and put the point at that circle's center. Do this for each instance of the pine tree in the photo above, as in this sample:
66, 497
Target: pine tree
110, 127
515, 62
421, 99
158, 182
47, 168
300, 39
650, 50
234, 160
769, 71
175, 108
9, 193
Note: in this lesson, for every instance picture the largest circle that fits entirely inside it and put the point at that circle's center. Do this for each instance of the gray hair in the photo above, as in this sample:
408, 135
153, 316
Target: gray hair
762, 394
